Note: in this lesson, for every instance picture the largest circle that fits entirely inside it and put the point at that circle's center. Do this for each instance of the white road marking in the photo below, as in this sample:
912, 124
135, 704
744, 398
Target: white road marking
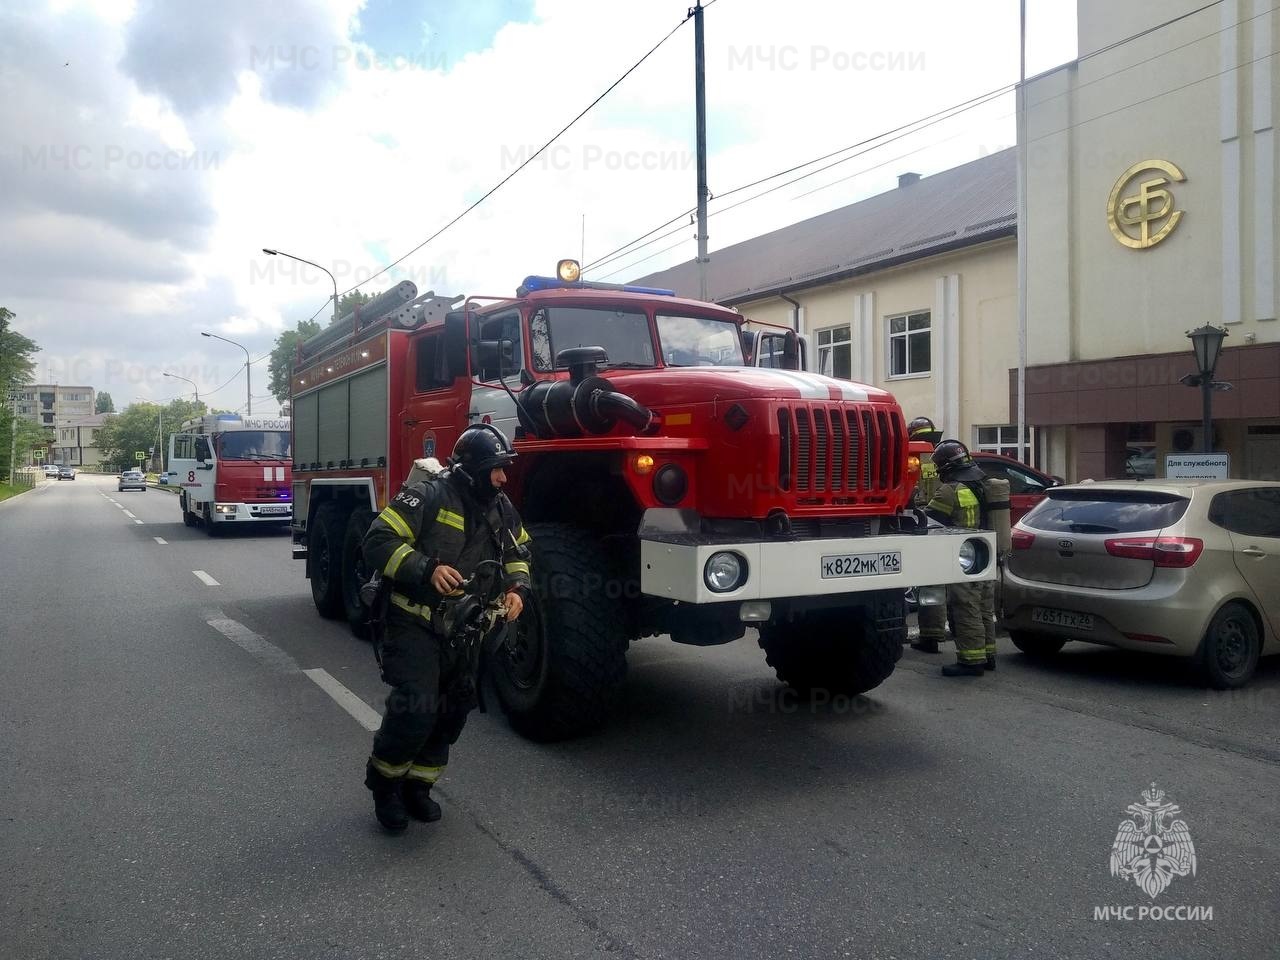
130, 515
273, 656
136, 520
205, 578
252, 643
364, 714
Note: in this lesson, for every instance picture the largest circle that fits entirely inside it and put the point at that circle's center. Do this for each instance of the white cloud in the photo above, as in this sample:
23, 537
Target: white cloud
309, 142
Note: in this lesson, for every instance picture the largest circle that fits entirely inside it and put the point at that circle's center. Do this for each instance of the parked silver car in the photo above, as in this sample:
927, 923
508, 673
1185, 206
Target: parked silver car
1182, 568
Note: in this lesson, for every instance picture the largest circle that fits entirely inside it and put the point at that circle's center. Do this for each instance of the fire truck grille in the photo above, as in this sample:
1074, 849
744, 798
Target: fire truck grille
838, 448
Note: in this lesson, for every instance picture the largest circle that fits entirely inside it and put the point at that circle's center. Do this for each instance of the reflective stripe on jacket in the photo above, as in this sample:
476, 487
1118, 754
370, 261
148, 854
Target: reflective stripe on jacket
433, 522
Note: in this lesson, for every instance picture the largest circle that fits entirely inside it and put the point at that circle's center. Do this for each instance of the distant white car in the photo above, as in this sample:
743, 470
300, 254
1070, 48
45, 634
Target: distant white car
50, 469
132, 480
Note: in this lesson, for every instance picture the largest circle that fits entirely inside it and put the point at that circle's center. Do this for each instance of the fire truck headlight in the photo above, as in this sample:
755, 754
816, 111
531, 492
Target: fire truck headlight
224, 508
724, 571
974, 556
670, 484
569, 271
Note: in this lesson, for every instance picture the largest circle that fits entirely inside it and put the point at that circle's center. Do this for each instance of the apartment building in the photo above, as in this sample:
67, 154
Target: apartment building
52, 405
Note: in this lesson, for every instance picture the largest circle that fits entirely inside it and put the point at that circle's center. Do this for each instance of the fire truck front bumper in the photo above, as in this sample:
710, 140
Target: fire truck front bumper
691, 567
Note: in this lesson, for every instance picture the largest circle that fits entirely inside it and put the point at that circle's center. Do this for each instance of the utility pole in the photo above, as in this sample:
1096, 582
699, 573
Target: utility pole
700, 98
1024, 452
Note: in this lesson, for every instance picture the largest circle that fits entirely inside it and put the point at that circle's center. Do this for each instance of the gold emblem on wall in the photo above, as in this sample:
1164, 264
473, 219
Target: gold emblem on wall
1140, 212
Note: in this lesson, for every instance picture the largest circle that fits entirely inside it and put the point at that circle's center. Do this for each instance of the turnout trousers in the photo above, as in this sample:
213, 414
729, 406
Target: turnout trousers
427, 707
973, 620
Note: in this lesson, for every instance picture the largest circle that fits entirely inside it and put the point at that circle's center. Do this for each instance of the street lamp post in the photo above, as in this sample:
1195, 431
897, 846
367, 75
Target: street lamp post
174, 376
281, 253
248, 395
1206, 343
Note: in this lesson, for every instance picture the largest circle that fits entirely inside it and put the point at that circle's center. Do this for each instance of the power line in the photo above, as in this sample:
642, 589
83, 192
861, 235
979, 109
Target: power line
922, 123
528, 160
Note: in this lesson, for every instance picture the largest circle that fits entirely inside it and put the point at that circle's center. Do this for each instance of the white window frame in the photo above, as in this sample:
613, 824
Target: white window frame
906, 335
1006, 439
826, 344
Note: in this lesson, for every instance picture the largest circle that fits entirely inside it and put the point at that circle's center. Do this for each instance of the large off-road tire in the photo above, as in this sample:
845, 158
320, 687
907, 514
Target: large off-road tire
324, 560
839, 651
1228, 654
561, 663
1036, 645
354, 571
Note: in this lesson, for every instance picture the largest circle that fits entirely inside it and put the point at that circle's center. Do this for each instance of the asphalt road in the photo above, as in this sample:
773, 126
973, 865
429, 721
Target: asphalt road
178, 786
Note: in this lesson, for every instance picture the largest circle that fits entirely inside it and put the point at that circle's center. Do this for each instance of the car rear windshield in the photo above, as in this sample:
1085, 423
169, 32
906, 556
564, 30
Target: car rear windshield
1105, 511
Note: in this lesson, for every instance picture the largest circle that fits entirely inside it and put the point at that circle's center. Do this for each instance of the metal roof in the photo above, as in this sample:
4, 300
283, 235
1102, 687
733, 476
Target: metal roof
969, 204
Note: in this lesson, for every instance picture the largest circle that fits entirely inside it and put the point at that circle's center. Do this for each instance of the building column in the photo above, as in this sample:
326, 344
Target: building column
863, 367
945, 353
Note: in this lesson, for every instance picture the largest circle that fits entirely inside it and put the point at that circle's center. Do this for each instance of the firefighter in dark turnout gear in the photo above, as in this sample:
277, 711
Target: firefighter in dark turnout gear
932, 619
434, 535
960, 501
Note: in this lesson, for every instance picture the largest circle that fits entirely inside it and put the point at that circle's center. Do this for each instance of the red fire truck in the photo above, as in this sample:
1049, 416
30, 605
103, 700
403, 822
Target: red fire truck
672, 483
232, 469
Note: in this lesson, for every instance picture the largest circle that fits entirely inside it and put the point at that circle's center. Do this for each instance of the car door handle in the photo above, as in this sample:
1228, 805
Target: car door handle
1253, 552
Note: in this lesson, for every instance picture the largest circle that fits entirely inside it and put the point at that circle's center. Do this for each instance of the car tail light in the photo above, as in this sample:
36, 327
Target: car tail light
1023, 540
1162, 551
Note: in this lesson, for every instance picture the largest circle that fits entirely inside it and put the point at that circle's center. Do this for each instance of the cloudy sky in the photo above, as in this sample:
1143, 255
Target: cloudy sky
152, 148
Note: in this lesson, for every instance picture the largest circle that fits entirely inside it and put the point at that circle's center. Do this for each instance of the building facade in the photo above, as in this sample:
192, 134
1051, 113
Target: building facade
1151, 210
76, 442
51, 405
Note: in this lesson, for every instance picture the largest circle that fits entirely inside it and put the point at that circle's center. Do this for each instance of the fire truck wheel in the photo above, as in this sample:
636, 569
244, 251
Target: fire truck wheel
561, 663
211, 528
188, 518
353, 569
832, 651
324, 549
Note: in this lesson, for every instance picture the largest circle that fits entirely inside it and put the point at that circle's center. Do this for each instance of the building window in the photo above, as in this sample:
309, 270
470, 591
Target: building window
1003, 440
909, 345
835, 352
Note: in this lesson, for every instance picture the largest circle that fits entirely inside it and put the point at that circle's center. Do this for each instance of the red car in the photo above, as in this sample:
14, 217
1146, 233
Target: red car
1027, 485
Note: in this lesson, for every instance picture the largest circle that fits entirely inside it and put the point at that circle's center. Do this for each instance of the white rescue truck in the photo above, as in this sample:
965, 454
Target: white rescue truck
233, 469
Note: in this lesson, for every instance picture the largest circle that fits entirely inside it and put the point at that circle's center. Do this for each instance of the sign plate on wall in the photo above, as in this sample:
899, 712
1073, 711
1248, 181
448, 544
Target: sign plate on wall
1197, 466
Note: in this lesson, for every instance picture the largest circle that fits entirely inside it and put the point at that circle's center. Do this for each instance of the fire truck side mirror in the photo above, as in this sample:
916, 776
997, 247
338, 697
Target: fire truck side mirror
790, 351
494, 359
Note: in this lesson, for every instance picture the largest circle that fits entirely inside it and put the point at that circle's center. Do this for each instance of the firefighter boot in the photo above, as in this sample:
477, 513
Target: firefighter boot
925, 645
417, 800
388, 803
961, 669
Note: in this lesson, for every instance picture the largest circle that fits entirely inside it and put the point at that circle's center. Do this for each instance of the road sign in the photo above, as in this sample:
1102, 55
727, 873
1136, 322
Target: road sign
38, 454
139, 455
1197, 466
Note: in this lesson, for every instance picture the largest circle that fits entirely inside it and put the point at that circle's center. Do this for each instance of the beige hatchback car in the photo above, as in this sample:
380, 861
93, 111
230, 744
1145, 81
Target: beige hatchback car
1185, 568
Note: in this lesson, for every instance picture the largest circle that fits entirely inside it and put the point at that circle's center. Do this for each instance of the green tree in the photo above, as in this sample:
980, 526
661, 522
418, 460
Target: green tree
104, 403
17, 367
285, 352
140, 427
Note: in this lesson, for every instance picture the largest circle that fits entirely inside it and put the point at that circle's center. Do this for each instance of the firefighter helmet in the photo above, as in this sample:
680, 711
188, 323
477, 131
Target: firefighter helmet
919, 427
481, 448
954, 462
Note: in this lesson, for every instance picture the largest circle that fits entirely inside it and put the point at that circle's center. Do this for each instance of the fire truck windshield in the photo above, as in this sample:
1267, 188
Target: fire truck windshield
254, 445
699, 341
624, 335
